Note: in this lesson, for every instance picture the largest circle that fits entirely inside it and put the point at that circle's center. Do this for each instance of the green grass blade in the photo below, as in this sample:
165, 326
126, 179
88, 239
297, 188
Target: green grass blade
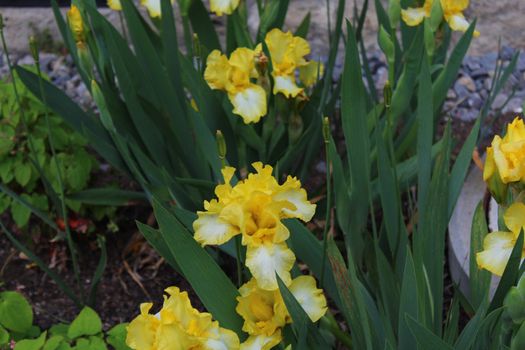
154, 238
460, 168
353, 115
304, 26
203, 26
408, 305
99, 271
425, 338
425, 133
447, 77
107, 196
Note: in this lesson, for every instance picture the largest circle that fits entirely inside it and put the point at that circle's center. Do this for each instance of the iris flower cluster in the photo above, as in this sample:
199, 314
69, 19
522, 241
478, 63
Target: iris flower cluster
241, 78
504, 173
452, 13
254, 208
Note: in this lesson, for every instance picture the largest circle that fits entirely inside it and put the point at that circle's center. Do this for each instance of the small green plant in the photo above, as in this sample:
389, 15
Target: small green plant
85, 332
20, 169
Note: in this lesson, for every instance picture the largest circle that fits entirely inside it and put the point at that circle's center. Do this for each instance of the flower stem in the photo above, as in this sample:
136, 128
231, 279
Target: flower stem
326, 135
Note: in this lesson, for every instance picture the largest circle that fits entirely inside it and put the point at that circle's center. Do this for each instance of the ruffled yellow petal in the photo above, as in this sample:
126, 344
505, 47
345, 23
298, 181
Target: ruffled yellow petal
292, 192
263, 311
249, 103
141, 332
310, 73
413, 16
514, 218
510, 163
299, 49
286, 85
115, 5
244, 60
266, 260
220, 7
217, 70
309, 296
287, 52
261, 342
278, 44
515, 131
454, 5
171, 336
210, 229
497, 248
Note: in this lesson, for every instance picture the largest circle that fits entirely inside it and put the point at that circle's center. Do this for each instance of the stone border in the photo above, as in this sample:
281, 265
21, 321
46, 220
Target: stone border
460, 225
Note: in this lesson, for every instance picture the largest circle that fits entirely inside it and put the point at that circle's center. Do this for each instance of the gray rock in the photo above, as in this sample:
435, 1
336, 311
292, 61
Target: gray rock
521, 62
480, 73
499, 101
488, 61
472, 63
507, 52
488, 83
451, 95
515, 105
475, 101
461, 91
467, 82
381, 77
465, 115
26, 60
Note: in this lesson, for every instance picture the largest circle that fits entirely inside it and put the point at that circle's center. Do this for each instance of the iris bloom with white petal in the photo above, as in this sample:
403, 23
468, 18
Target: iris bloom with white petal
235, 76
254, 208
265, 314
497, 246
288, 54
220, 7
452, 12
153, 7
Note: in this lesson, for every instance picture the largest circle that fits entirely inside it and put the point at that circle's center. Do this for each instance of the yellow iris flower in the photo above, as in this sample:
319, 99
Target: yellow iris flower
265, 313
506, 156
76, 23
287, 53
115, 5
497, 246
235, 76
178, 326
153, 7
254, 208
310, 73
452, 12
220, 7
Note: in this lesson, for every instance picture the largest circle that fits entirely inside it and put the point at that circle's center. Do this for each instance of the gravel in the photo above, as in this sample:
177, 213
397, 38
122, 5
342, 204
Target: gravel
464, 101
